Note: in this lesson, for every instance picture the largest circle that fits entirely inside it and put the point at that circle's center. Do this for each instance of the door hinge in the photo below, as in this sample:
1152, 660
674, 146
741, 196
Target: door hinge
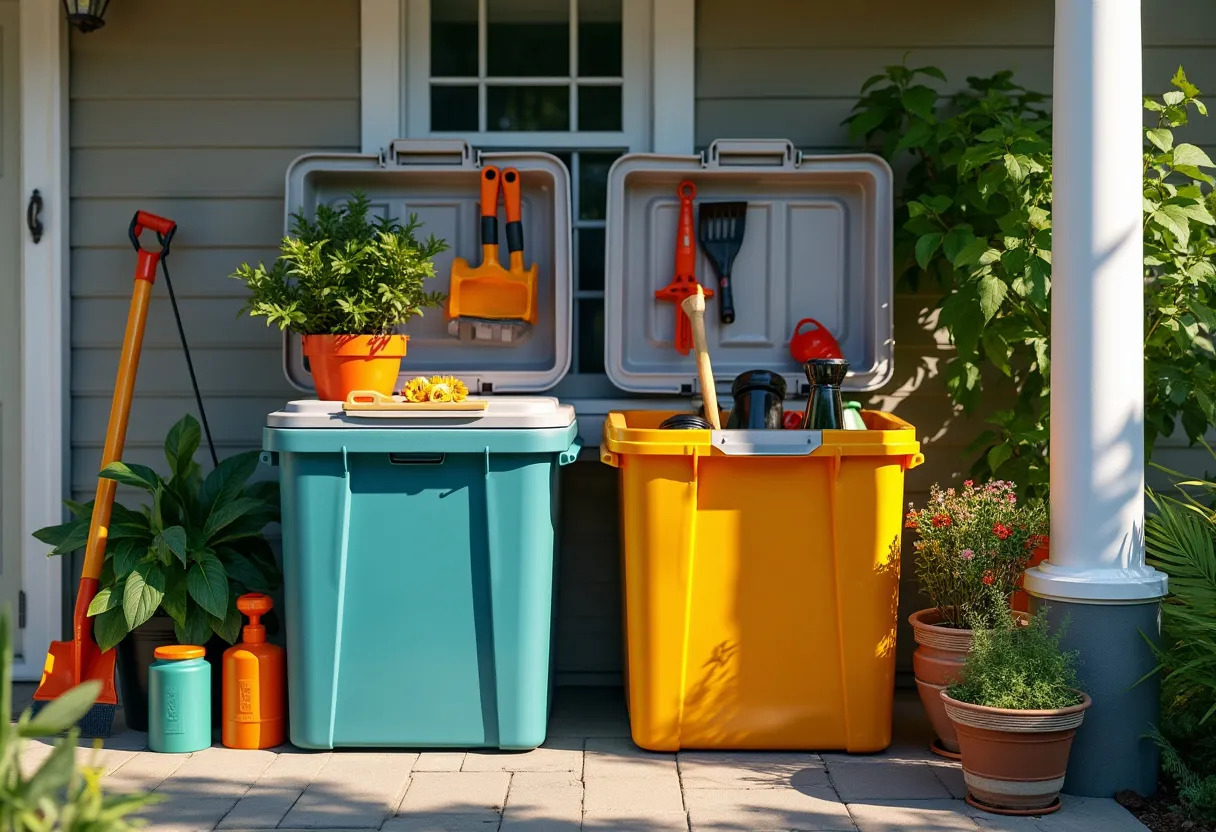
21, 609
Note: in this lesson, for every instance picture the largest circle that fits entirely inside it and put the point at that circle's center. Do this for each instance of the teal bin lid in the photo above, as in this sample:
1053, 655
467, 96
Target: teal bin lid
509, 424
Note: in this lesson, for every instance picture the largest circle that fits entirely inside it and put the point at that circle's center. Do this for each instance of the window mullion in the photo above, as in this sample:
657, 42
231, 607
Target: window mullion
573, 69
483, 26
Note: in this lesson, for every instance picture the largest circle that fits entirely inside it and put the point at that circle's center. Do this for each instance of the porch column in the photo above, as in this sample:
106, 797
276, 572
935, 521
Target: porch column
1096, 576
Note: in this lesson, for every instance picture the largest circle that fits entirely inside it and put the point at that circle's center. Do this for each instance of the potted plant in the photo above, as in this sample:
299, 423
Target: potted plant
174, 569
974, 543
1016, 708
346, 282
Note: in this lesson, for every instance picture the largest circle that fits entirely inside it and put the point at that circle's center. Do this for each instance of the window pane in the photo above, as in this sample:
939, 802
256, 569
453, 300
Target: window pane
528, 38
599, 108
599, 38
593, 184
453, 108
528, 108
591, 335
454, 38
591, 259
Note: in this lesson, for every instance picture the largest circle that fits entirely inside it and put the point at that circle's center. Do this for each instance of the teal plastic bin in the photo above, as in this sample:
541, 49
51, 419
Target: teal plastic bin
418, 559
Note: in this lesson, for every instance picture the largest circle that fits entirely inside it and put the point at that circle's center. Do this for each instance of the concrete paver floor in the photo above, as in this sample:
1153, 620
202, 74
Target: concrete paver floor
587, 776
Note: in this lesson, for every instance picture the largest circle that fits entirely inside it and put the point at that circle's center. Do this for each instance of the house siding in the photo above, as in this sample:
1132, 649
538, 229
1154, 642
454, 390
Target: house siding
193, 110
791, 69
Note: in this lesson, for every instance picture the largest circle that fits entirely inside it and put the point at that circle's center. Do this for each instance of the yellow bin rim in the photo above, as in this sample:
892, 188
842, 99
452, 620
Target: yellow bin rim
637, 432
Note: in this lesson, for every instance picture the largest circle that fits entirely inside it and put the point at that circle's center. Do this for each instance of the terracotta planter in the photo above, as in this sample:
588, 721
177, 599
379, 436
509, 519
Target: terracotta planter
937, 662
341, 364
1020, 601
1014, 761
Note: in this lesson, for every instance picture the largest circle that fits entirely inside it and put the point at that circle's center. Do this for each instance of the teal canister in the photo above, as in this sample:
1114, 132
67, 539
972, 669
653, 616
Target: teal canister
179, 700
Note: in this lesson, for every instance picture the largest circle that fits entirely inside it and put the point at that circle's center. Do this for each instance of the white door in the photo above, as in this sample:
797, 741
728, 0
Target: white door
12, 224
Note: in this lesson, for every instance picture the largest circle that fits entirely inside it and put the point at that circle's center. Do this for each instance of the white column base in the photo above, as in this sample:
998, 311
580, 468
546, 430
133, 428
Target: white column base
1133, 585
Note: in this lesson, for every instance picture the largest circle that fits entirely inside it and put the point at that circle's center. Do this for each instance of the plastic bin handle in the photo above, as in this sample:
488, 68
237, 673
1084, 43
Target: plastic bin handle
570, 454
766, 442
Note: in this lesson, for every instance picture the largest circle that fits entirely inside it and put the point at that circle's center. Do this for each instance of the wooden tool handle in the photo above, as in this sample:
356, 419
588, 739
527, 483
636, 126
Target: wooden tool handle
705, 371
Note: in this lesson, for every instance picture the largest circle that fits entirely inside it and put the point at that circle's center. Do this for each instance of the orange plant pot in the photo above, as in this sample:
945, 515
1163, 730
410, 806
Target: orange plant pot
1020, 601
341, 364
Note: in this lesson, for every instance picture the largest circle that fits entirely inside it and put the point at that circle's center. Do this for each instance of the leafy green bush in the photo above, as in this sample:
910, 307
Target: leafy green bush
59, 796
1018, 666
191, 553
975, 219
973, 545
345, 274
1180, 540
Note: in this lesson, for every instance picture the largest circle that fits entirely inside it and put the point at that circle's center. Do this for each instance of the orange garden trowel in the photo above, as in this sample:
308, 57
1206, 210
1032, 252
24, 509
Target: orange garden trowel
489, 304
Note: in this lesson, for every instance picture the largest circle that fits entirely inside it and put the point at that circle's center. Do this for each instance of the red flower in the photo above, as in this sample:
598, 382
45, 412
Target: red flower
989, 578
1002, 531
968, 483
910, 520
941, 521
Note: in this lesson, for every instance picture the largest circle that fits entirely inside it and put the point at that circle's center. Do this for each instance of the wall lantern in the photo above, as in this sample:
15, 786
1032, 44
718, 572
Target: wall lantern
86, 15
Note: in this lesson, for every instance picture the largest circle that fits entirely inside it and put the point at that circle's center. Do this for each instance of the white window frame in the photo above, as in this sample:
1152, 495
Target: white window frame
42, 39
660, 37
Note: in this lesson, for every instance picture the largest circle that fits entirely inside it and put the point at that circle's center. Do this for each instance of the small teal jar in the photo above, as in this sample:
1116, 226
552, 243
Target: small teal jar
179, 700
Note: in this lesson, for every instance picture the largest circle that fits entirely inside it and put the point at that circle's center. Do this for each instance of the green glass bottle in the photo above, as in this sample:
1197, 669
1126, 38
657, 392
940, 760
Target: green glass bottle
824, 410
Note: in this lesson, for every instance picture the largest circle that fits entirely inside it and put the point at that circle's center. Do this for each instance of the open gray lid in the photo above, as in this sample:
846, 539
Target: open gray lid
439, 180
818, 244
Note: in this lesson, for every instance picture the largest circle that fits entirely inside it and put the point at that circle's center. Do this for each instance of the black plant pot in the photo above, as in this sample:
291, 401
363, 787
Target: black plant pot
135, 656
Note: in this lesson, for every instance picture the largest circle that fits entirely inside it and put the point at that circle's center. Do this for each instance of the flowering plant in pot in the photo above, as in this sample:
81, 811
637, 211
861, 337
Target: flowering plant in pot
1016, 707
974, 543
346, 282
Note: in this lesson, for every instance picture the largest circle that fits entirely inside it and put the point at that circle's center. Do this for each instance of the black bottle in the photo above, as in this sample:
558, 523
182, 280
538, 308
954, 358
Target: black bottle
824, 410
758, 395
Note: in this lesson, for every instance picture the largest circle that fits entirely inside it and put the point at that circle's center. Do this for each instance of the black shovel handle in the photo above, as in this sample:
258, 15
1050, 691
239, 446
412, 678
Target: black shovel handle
726, 300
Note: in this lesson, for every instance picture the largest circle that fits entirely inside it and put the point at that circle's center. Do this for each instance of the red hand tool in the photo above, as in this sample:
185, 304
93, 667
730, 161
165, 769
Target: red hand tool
685, 281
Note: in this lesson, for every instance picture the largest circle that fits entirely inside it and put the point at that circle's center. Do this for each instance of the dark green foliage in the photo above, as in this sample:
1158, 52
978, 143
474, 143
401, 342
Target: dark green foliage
191, 553
975, 221
345, 273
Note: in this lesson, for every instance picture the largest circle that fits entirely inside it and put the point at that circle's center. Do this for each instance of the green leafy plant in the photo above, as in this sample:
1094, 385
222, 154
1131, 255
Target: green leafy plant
59, 796
191, 552
975, 221
1019, 666
345, 273
1180, 540
973, 545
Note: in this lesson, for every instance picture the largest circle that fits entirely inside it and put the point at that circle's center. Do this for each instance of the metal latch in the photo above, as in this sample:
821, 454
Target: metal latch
773, 153
767, 442
434, 152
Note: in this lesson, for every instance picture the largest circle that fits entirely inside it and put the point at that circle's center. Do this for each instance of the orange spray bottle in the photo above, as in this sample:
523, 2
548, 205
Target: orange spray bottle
254, 683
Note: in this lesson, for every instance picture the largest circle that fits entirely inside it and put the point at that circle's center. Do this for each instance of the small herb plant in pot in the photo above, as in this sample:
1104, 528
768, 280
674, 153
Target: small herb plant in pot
174, 569
1016, 708
973, 545
347, 282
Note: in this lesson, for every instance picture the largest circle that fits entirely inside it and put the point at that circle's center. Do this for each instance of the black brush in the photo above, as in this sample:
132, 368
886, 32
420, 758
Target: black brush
721, 235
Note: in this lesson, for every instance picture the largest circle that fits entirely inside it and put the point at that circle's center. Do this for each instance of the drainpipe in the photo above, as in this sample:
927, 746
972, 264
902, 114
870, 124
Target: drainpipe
1096, 577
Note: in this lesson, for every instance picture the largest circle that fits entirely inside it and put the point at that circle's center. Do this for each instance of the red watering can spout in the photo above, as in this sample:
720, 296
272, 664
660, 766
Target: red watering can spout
813, 343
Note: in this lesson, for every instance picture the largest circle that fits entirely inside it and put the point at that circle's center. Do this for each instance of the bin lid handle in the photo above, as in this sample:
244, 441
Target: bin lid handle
767, 442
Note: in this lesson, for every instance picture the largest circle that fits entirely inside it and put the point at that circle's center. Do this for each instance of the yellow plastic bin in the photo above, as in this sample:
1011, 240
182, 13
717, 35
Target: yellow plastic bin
761, 574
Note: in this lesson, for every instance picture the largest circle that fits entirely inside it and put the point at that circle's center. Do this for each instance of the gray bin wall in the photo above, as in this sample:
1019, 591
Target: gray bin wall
168, 114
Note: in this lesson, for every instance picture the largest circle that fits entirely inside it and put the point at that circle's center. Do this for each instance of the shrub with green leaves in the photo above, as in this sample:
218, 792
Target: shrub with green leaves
345, 273
1018, 666
192, 552
974, 218
58, 796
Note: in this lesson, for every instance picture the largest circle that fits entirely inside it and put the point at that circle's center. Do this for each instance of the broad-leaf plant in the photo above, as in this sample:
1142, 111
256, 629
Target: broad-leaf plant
191, 552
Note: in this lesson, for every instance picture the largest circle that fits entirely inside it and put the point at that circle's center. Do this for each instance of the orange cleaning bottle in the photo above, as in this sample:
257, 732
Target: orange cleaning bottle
254, 683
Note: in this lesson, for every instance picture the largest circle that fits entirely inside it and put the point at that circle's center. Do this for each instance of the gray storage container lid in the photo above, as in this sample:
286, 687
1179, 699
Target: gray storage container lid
818, 244
502, 412
439, 180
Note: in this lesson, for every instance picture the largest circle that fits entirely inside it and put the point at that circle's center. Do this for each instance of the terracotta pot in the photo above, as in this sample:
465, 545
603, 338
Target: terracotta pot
937, 662
1020, 601
1014, 761
341, 364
